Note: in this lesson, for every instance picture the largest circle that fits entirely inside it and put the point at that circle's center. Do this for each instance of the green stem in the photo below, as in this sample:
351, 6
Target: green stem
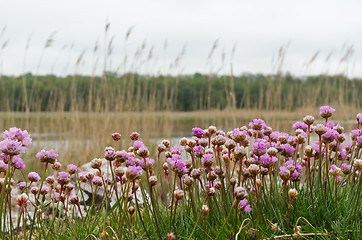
223, 225
3, 192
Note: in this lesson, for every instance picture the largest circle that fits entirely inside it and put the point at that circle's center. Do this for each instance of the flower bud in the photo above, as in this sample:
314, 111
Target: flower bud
34, 190
131, 210
134, 136
170, 236
119, 171
309, 120
188, 180
240, 193
205, 210
74, 200
56, 166
166, 143
211, 191
152, 180
178, 194
96, 163
254, 169
292, 193
116, 137
232, 181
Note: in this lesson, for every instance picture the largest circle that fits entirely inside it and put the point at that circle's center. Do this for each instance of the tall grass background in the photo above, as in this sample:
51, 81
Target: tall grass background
76, 113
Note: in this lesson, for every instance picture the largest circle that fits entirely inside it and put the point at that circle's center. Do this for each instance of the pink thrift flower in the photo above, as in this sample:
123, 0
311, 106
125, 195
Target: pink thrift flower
18, 135
33, 177
326, 111
198, 132
11, 147
47, 156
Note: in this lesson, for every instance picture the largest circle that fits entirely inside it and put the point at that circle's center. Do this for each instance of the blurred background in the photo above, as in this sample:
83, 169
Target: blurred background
74, 72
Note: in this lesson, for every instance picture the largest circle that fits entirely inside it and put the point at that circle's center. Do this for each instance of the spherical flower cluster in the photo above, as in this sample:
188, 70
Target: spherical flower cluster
357, 163
359, 118
239, 136
146, 163
257, 124
288, 150
72, 169
177, 164
176, 150
33, 177
47, 156
329, 135
309, 120
218, 140
205, 210
17, 134
326, 111
178, 194
97, 181
335, 171
320, 129
133, 172
267, 161
134, 136
56, 166
11, 147
240, 193
300, 125
109, 153
63, 178
96, 163
198, 132
116, 137
22, 201
346, 168
284, 173
259, 147
207, 160
292, 193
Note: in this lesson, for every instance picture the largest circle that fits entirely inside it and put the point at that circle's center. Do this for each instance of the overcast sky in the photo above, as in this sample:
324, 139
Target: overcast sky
328, 31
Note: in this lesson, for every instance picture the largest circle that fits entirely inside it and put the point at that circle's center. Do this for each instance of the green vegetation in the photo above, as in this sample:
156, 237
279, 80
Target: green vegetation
133, 92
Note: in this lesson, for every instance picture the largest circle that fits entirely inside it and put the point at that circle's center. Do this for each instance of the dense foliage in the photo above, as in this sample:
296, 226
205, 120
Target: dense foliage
133, 92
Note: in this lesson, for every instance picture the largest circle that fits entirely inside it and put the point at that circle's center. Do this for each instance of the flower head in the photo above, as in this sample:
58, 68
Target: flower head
335, 171
18, 163
198, 132
17, 134
359, 118
72, 168
96, 163
134, 136
109, 153
133, 172
33, 177
207, 160
47, 156
63, 178
146, 163
257, 124
116, 137
326, 111
97, 181
300, 125
176, 150
284, 173
259, 147
11, 147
